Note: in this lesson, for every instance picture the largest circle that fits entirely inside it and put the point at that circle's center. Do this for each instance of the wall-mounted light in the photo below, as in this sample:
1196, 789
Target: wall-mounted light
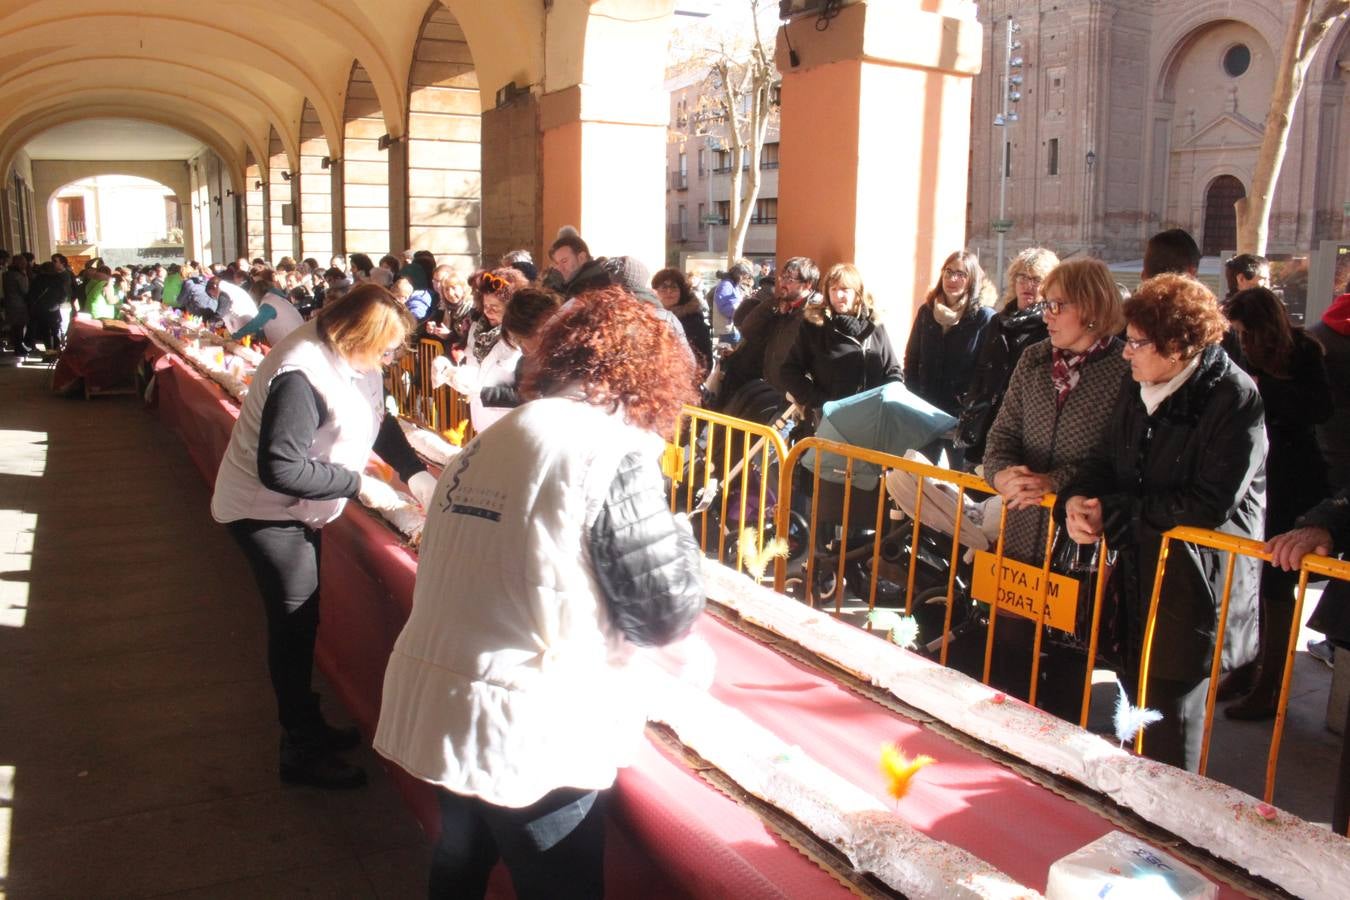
216, 199
1090, 159
327, 162
229, 192
507, 93
386, 141
286, 176
257, 185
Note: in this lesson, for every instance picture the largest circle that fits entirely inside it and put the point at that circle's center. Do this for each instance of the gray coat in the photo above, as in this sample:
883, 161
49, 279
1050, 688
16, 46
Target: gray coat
1030, 430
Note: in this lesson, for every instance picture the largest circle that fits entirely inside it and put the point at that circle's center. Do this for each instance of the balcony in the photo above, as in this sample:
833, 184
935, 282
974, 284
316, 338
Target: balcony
679, 181
721, 169
677, 234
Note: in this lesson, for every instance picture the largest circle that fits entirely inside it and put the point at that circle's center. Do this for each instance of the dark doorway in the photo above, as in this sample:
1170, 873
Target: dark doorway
1220, 217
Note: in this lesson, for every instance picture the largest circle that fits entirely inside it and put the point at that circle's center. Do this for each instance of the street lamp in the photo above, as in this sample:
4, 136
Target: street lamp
1011, 82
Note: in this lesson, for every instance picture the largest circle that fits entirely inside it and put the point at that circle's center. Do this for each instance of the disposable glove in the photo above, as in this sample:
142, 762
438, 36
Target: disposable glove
423, 486
377, 494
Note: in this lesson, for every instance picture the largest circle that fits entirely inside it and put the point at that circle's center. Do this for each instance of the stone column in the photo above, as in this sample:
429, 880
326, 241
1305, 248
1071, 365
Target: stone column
874, 151
602, 164
399, 227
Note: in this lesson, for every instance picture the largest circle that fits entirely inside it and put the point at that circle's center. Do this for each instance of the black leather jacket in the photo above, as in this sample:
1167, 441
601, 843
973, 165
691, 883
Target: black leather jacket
646, 560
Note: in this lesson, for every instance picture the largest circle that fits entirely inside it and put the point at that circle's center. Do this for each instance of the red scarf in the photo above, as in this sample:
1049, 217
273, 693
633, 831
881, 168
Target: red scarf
1066, 368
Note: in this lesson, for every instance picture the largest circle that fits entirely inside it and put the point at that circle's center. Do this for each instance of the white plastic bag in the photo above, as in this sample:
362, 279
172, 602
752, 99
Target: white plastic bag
1119, 866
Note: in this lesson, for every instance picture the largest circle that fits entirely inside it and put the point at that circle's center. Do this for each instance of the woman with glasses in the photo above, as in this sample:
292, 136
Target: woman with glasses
1016, 327
1057, 404
489, 361
945, 340
1185, 445
314, 412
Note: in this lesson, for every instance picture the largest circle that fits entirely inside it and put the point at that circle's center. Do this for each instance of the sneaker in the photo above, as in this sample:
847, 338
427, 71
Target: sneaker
1322, 651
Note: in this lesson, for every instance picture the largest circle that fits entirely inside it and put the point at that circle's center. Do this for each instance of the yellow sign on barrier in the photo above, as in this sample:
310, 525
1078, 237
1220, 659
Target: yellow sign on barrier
1019, 591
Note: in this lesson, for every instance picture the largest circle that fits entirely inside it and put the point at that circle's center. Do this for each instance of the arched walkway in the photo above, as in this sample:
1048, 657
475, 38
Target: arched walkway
365, 169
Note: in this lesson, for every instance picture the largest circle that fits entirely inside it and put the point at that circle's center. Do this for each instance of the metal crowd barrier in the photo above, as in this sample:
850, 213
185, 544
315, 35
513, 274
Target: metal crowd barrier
1235, 547
442, 409
723, 473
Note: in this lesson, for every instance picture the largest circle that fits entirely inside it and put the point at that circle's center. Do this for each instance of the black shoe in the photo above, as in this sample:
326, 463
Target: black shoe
336, 740
307, 762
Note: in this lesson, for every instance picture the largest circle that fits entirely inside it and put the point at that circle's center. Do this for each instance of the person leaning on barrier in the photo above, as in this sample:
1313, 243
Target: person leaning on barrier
1185, 445
544, 563
1291, 374
1056, 407
522, 324
297, 453
1016, 326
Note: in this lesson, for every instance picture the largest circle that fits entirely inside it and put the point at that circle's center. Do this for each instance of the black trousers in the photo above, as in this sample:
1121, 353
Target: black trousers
284, 557
553, 848
1177, 738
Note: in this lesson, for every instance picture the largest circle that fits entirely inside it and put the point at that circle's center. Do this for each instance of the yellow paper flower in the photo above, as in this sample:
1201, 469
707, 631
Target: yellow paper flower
899, 769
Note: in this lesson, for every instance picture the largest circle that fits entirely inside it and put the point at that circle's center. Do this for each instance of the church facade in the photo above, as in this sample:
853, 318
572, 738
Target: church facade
1139, 115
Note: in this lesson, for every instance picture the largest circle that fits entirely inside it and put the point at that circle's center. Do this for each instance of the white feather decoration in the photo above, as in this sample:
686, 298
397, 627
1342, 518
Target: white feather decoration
1130, 719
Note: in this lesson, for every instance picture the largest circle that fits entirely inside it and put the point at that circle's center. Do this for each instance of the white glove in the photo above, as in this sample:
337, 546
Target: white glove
464, 380
423, 486
377, 494
441, 367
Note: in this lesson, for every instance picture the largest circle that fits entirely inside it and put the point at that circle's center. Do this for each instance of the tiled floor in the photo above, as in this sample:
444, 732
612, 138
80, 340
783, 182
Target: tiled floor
137, 742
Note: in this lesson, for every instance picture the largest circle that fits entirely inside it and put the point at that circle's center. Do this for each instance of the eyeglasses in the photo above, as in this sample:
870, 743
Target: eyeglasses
1028, 280
1055, 307
494, 283
955, 274
1137, 343
392, 354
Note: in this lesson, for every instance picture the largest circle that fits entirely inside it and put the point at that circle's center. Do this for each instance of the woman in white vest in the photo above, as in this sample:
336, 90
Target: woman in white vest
489, 359
297, 452
549, 552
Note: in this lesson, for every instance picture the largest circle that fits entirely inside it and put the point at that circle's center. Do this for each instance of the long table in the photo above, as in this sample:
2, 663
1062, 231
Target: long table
671, 833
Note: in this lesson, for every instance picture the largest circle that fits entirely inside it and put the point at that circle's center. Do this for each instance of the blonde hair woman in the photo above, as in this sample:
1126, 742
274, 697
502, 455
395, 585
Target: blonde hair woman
313, 413
841, 349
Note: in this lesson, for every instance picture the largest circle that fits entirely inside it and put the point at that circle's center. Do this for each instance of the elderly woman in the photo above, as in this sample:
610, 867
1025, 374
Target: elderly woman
1185, 445
945, 340
1057, 404
544, 561
522, 327
841, 349
1016, 326
1291, 374
313, 414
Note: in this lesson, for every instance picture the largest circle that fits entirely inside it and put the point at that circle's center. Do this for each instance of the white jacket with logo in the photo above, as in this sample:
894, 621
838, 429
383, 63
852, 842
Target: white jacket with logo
508, 680
353, 407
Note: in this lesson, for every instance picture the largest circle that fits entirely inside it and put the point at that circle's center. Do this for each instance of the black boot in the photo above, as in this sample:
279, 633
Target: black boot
331, 737
305, 760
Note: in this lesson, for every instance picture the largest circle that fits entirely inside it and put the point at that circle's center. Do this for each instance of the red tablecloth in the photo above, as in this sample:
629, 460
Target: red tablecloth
101, 359
672, 835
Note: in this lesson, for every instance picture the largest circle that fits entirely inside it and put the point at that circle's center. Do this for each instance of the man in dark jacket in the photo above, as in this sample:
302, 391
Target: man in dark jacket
768, 326
572, 259
1333, 435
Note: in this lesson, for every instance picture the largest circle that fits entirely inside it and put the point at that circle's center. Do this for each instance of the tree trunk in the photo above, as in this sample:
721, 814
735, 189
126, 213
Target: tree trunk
1301, 41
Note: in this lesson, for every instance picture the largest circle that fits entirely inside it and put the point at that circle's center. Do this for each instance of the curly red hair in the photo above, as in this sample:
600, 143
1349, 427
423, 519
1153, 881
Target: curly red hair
620, 353
1176, 312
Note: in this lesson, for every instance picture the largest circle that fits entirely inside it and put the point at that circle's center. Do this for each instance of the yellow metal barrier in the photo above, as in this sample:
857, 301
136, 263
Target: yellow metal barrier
1234, 546
740, 456
442, 410
963, 483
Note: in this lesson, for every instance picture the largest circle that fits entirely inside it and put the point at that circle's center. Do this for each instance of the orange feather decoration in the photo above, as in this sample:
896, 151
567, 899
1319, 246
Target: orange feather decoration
899, 769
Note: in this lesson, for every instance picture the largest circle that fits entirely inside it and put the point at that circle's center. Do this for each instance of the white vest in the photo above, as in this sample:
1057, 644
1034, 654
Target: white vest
497, 367
288, 319
242, 307
352, 408
508, 680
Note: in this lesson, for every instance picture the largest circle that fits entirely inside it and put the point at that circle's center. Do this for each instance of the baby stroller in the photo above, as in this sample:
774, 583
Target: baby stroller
876, 543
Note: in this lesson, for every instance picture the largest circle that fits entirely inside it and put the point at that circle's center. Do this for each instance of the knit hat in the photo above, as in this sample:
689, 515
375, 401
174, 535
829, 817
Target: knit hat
629, 273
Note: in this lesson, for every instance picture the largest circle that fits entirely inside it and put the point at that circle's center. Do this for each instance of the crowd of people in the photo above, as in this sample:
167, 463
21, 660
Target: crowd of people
1140, 409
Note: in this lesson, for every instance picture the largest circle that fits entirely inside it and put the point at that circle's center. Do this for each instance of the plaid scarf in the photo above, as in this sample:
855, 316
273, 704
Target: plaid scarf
1066, 368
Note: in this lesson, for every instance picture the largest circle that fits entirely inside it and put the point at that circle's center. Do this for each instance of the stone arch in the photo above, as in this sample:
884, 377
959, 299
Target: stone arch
315, 189
1334, 53
57, 175
444, 150
365, 169
1198, 18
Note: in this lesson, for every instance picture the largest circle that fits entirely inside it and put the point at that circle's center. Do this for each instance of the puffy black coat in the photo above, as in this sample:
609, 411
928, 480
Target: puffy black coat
1332, 616
825, 363
1005, 337
1199, 460
939, 364
646, 560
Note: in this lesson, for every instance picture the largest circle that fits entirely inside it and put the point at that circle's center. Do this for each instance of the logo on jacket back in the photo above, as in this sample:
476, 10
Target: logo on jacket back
465, 500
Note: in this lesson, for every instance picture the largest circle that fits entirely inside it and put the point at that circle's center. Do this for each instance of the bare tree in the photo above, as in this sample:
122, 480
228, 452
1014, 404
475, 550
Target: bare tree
737, 106
1309, 22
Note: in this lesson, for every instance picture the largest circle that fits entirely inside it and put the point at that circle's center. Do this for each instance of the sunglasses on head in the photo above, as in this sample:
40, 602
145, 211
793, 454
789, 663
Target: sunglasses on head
494, 284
